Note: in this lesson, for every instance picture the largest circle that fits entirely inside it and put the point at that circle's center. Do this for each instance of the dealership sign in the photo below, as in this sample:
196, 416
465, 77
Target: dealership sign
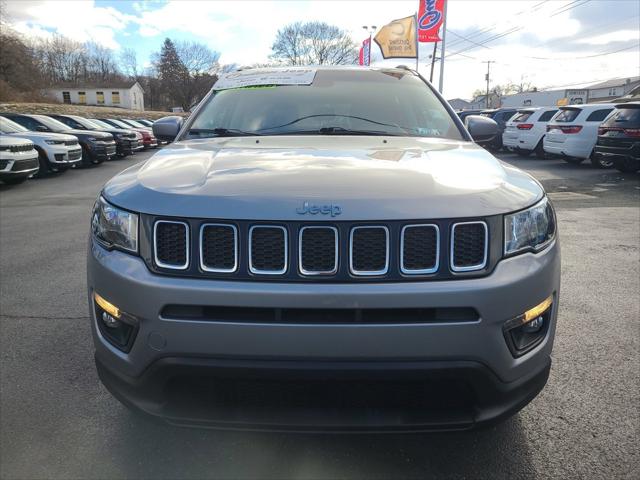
430, 17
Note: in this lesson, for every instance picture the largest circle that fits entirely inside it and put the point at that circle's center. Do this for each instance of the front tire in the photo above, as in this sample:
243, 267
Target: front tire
539, 150
43, 162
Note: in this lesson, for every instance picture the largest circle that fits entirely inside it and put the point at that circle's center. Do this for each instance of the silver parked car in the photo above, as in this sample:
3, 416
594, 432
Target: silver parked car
324, 249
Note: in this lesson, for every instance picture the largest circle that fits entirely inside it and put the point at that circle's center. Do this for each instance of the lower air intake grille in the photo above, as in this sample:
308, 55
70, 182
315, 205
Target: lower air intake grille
219, 248
469, 246
318, 250
267, 249
171, 244
369, 253
420, 249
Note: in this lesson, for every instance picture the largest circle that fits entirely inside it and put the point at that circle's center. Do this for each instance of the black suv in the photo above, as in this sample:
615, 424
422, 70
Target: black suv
501, 116
126, 140
619, 137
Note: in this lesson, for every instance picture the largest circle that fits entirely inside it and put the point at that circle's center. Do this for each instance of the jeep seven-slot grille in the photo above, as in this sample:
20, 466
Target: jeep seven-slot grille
171, 244
469, 246
268, 249
343, 251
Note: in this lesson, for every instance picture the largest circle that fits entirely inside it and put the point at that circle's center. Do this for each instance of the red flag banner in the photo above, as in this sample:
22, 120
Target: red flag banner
430, 17
361, 56
365, 52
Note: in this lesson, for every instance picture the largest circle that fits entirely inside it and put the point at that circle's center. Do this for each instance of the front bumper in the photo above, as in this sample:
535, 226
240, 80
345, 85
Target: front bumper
101, 151
61, 156
469, 358
19, 165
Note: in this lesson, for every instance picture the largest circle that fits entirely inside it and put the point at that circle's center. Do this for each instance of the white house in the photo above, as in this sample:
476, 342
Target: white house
612, 89
125, 94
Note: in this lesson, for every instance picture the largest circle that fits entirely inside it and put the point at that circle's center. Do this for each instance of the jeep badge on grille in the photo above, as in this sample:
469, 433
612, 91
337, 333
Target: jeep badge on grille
333, 210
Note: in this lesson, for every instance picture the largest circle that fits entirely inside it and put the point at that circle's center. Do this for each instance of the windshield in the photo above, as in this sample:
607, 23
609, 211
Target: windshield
52, 124
101, 124
8, 126
86, 123
133, 123
348, 102
119, 123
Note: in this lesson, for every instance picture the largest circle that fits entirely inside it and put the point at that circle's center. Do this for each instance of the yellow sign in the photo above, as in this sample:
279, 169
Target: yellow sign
398, 38
562, 102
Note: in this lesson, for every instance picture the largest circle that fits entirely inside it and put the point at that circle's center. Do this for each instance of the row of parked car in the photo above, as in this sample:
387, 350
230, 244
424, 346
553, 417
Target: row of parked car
38, 145
606, 134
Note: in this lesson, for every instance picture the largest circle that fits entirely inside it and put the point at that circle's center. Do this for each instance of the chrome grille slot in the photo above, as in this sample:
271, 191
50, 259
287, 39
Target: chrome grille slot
369, 250
469, 245
419, 249
318, 250
268, 247
171, 244
218, 247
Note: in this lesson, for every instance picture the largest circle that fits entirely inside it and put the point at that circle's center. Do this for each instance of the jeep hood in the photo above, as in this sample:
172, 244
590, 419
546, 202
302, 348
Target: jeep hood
369, 178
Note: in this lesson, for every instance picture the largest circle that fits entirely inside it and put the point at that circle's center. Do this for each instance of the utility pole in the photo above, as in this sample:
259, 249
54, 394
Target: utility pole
488, 62
370, 30
433, 61
444, 36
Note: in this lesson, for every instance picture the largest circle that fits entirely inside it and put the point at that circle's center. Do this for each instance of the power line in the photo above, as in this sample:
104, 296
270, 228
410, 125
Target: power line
564, 8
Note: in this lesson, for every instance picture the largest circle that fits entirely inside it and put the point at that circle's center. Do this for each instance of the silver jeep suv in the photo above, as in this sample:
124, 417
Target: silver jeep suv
324, 249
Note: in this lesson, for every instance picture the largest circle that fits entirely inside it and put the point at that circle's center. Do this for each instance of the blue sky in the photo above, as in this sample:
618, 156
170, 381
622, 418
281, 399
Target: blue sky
552, 42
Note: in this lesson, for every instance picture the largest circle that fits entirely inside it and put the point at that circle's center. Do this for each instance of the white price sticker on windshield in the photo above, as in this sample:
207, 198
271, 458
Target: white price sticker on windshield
251, 78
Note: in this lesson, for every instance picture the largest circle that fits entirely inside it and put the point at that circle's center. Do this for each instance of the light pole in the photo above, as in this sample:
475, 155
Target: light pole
369, 29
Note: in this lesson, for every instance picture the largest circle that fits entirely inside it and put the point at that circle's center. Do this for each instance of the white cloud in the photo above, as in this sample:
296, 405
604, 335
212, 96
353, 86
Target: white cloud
619, 36
79, 20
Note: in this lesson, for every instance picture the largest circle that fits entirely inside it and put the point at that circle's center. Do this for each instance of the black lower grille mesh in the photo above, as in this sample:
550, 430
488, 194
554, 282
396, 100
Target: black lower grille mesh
268, 249
469, 245
420, 248
369, 250
20, 165
318, 250
171, 244
219, 247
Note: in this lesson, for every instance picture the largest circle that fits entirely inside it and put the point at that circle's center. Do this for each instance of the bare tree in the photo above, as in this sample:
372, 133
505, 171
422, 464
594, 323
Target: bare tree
129, 62
313, 43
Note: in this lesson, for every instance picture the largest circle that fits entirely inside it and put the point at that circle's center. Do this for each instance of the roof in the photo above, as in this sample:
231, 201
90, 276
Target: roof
91, 86
614, 82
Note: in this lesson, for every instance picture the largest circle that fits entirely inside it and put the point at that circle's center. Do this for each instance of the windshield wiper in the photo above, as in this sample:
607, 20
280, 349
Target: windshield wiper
221, 132
355, 117
335, 131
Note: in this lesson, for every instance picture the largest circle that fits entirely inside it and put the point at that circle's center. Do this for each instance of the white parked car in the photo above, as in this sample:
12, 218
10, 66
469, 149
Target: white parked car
56, 151
526, 129
573, 131
18, 159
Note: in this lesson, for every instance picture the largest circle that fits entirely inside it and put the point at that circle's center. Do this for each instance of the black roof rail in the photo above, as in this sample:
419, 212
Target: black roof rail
404, 67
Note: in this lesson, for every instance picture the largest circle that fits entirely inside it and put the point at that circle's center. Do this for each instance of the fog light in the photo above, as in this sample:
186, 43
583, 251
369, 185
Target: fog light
117, 327
534, 325
526, 331
109, 321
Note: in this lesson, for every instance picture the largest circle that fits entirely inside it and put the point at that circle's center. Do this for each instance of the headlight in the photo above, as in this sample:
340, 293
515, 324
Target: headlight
114, 227
55, 142
91, 139
531, 229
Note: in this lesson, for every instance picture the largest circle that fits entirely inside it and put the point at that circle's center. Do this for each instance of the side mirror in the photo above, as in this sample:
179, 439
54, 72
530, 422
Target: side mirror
167, 128
482, 129
41, 128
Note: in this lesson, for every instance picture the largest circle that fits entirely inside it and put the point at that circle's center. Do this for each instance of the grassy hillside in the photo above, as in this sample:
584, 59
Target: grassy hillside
81, 110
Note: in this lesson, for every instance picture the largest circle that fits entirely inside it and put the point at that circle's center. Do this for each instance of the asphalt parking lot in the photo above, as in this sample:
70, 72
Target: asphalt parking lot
57, 421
